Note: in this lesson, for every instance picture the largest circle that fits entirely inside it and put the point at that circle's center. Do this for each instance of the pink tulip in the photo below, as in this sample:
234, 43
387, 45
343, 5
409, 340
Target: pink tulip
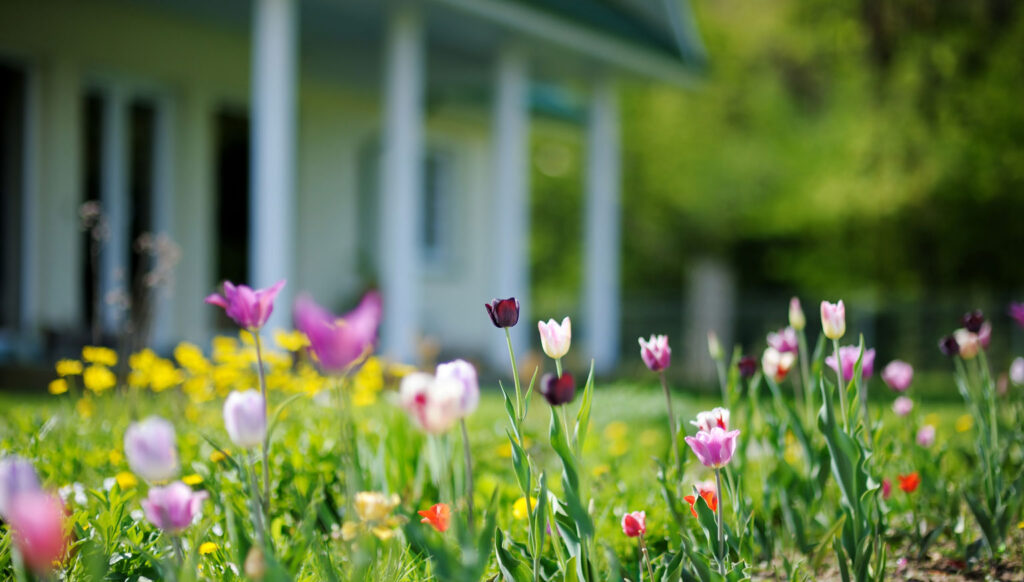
926, 436
655, 352
174, 507
245, 418
37, 522
784, 340
902, 406
714, 448
849, 355
17, 476
434, 404
776, 365
337, 343
634, 524
796, 314
985, 335
248, 308
897, 375
711, 418
1017, 371
555, 338
886, 488
150, 449
464, 373
833, 319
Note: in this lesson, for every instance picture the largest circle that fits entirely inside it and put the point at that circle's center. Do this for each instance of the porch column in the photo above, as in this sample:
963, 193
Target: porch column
162, 327
511, 201
115, 203
272, 207
401, 180
602, 226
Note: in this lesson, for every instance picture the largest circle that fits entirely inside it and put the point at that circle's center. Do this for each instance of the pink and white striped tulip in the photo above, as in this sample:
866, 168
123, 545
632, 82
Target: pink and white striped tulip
711, 418
434, 404
655, 352
784, 340
464, 373
150, 448
714, 448
174, 507
634, 524
833, 319
555, 338
776, 365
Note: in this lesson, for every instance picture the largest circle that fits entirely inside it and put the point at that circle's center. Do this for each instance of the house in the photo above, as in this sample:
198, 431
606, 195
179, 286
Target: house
340, 144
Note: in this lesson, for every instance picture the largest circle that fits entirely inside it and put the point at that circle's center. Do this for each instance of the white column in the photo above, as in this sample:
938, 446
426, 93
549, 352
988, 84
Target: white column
116, 207
401, 181
511, 196
602, 225
272, 200
162, 331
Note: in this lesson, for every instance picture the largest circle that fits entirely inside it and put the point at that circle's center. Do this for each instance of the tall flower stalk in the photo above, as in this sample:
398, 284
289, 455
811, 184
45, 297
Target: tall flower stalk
714, 448
657, 355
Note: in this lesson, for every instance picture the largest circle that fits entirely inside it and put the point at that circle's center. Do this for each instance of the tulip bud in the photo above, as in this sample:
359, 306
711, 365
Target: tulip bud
715, 347
949, 347
926, 436
150, 449
555, 338
747, 366
558, 390
245, 418
833, 319
709, 418
174, 507
434, 404
972, 320
634, 524
784, 340
886, 488
37, 523
968, 342
1017, 372
17, 476
503, 312
464, 373
776, 365
796, 315
655, 352
897, 375
902, 406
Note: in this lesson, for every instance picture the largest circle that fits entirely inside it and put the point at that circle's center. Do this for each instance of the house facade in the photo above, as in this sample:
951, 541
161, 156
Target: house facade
340, 144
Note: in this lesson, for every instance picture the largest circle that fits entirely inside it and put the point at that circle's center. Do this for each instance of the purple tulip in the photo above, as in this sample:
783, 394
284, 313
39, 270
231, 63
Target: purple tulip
747, 366
949, 347
926, 436
174, 507
503, 312
1017, 313
784, 340
464, 373
848, 355
714, 448
338, 343
17, 476
655, 352
902, 406
972, 320
245, 418
897, 375
248, 308
150, 449
558, 391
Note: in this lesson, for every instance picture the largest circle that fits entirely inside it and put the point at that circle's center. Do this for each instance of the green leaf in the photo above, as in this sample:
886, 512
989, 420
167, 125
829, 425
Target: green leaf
512, 569
583, 415
521, 464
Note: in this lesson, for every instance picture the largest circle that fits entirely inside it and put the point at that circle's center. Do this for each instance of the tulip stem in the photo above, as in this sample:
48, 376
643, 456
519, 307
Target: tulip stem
257, 515
178, 550
558, 366
842, 387
672, 427
266, 435
721, 536
565, 423
469, 472
646, 557
515, 374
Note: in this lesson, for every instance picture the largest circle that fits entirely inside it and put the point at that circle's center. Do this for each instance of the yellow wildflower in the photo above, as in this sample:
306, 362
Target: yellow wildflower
126, 480
217, 456
374, 506
207, 548
600, 470
69, 368
349, 531
115, 457
98, 378
99, 355
1020, 525
85, 407
164, 375
191, 358
368, 381
504, 450
520, 510
618, 448
142, 360
964, 423
192, 480
292, 341
58, 386
616, 430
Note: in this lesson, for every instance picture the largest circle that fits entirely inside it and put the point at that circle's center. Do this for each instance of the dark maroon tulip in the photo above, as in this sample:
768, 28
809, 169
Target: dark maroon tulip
558, 391
972, 320
503, 312
949, 347
747, 366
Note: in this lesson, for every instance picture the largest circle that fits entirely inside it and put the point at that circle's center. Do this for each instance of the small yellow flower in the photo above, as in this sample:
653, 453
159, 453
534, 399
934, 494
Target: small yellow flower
618, 448
115, 457
1020, 525
616, 430
650, 438
126, 480
504, 450
192, 480
99, 355
207, 548
292, 341
520, 510
69, 368
932, 419
964, 423
191, 358
58, 386
349, 531
85, 407
98, 378
600, 470
217, 456
375, 506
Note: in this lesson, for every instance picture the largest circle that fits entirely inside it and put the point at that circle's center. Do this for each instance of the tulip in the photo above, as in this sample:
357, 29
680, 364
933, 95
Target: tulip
747, 366
245, 417
897, 375
705, 489
886, 488
1017, 371
503, 312
714, 448
949, 347
909, 483
338, 343
710, 418
655, 352
434, 404
174, 507
849, 355
968, 343
555, 338
796, 314
557, 390
776, 364
715, 346
926, 436
634, 524
972, 320
36, 519
1017, 313
248, 308
17, 476
150, 449
375, 507
784, 340
833, 319
985, 335
902, 406
464, 373
439, 516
